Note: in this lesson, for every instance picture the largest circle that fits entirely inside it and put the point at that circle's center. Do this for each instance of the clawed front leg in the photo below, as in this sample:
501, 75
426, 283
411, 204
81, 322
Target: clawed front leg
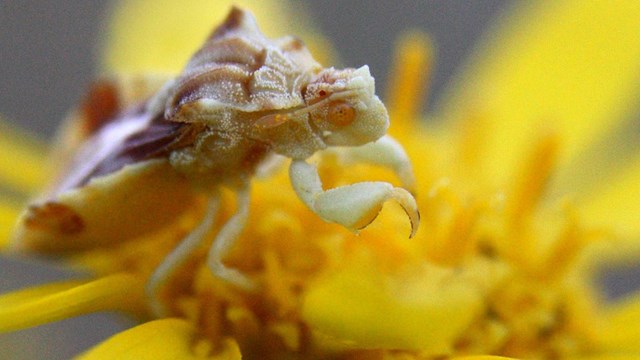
385, 152
353, 206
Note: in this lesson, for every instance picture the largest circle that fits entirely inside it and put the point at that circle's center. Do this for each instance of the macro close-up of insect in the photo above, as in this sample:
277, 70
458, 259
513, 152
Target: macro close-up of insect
242, 102
282, 179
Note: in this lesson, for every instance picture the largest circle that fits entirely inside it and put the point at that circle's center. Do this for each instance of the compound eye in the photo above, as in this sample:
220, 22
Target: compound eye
341, 113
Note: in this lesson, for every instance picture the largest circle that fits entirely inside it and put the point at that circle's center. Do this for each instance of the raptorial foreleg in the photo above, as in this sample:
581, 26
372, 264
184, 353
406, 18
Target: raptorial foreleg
353, 206
386, 152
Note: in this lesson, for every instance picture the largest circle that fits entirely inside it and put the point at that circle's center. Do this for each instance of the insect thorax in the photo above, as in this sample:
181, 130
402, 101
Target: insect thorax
219, 157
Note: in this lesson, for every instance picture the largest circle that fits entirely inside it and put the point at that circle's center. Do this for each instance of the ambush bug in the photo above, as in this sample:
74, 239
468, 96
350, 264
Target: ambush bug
139, 153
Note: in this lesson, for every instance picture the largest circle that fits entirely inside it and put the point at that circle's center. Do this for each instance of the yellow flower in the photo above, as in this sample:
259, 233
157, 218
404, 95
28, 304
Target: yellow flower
521, 207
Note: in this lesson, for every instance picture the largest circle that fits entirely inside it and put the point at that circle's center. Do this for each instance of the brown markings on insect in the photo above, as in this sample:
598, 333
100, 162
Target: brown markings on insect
191, 89
294, 44
99, 106
185, 136
157, 139
229, 60
54, 217
254, 155
232, 22
230, 50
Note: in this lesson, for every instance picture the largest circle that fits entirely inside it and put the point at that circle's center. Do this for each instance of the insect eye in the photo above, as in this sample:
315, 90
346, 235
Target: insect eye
322, 93
341, 113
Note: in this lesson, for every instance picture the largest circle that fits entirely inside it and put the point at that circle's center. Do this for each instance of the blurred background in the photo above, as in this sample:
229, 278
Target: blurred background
49, 54
48, 50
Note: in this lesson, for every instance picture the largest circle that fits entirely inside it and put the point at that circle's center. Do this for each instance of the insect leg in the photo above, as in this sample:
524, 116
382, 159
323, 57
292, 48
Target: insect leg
353, 206
385, 152
177, 257
224, 241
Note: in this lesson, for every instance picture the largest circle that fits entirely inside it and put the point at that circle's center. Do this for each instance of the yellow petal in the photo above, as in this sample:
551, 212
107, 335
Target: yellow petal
616, 204
157, 340
571, 66
9, 212
631, 356
480, 357
360, 306
108, 210
51, 302
22, 163
161, 35
621, 330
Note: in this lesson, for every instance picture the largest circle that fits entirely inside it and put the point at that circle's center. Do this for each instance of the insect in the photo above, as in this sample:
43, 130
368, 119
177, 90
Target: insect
140, 153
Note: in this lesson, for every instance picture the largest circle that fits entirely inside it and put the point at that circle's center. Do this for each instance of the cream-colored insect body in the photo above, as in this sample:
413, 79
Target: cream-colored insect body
241, 100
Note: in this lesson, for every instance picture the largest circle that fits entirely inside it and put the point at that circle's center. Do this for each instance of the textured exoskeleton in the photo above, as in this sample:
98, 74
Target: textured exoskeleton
140, 155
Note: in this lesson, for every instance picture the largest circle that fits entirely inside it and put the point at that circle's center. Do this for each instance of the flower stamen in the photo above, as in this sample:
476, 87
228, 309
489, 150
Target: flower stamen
409, 75
530, 182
